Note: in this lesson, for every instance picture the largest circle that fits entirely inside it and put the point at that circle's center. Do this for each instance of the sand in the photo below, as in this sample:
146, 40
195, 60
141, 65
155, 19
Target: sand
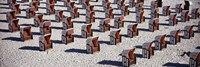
15, 53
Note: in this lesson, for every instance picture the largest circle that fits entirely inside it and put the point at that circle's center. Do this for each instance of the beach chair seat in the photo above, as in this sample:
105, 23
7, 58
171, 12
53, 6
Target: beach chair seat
67, 36
154, 13
154, 24
85, 4
89, 9
11, 2
194, 60
175, 37
59, 16
104, 25
90, 17
11, 15
45, 27
38, 19
147, 50
51, 2
120, 3
16, 8
166, 10
118, 21
185, 16
13, 25
45, 42
74, 13
124, 10
106, 6
38, 1
109, 13
34, 4
187, 5
50, 9
86, 31
160, 42
115, 37
139, 17
188, 32
139, 7
67, 23
25, 33
92, 45
195, 14
140, 1
154, 4
173, 20
178, 8
30, 12
132, 3
128, 57
132, 30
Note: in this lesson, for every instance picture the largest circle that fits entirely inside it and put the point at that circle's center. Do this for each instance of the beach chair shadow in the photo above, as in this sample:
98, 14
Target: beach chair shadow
110, 62
74, 50
34, 48
12, 39
170, 64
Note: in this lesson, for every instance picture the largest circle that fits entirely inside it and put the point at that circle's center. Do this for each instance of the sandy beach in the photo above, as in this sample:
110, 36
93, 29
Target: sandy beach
15, 53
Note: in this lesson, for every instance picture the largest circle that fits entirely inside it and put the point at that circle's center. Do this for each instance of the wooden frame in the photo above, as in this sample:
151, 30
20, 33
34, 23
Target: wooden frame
104, 25
45, 27
174, 37
30, 12
67, 36
179, 8
128, 57
45, 42
160, 42
188, 32
118, 21
147, 50
67, 23
194, 60
92, 45
90, 17
166, 10
173, 20
185, 16
115, 37
16, 8
59, 16
25, 33
154, 24
132, 30
38, 19
139, 17
86, 31
13, 25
